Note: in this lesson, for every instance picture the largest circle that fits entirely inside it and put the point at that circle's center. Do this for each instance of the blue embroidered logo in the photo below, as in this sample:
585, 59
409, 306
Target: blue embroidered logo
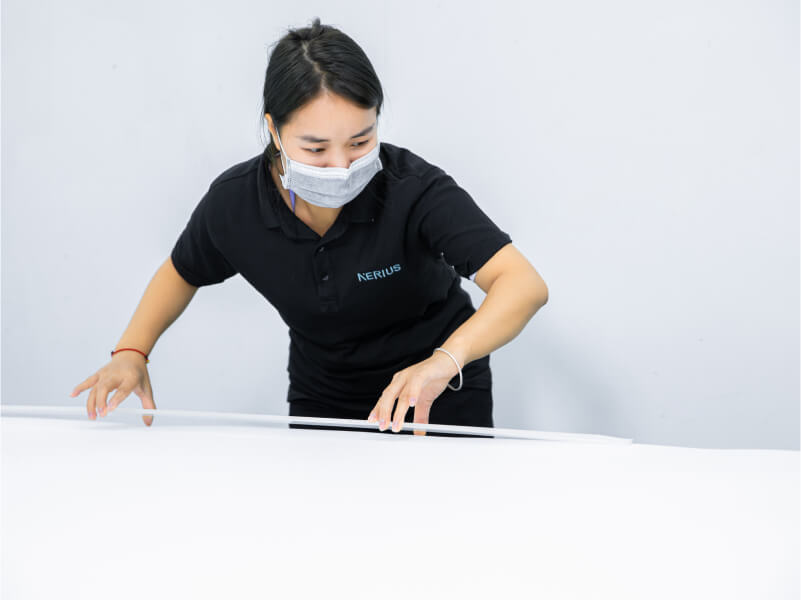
372, 275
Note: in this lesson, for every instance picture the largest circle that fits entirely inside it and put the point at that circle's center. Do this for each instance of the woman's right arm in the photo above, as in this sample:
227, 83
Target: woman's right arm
166, 297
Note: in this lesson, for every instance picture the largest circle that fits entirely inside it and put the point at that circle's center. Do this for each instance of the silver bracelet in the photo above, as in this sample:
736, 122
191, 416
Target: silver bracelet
457, 366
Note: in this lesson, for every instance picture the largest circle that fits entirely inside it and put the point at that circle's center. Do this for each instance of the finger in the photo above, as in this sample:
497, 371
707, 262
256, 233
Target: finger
86, 383
400, 413
118, 397
147, 402
387, 401
406, 399
90, 403
100, 399
421, 413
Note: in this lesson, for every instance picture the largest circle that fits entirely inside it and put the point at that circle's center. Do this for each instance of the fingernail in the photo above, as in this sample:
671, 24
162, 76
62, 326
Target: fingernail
382, 424
371, 417
412, 401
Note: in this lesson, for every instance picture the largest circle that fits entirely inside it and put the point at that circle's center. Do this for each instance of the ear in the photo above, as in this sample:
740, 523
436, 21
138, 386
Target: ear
270, 124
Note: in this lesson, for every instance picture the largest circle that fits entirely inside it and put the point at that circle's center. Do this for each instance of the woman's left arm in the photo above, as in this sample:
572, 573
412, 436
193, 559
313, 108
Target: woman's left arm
515, 292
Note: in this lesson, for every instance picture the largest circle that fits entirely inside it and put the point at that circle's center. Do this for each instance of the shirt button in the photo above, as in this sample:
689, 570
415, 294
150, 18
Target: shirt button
320, 249
325, 277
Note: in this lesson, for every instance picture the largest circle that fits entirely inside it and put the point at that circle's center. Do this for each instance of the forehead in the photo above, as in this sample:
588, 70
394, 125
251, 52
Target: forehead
331, 116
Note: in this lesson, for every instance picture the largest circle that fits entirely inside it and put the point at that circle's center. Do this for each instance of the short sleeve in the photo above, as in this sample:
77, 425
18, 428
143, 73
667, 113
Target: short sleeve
196, 254
452, 224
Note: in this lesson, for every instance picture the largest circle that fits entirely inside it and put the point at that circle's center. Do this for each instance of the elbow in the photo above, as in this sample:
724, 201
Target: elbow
539, 294
539, 290
540, 299
529, 288
537, 299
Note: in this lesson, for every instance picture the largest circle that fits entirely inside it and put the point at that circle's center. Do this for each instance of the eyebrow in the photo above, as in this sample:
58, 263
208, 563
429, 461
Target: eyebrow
316, 140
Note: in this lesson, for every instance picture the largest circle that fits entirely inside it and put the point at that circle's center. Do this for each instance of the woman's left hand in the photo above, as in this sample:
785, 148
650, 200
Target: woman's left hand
417, 385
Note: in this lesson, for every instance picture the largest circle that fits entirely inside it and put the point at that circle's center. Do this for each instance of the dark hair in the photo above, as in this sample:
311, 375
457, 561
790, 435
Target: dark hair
308, 61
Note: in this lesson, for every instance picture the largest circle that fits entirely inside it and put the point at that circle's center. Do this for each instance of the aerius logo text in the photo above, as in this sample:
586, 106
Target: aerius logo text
378, 274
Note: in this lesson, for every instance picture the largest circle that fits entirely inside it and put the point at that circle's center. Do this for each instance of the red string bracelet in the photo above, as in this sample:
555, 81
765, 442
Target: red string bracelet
147, 360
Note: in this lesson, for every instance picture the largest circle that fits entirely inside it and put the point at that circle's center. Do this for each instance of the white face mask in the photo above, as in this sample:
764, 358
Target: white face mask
330, 187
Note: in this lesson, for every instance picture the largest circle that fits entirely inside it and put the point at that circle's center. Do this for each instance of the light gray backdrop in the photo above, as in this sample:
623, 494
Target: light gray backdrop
644, 156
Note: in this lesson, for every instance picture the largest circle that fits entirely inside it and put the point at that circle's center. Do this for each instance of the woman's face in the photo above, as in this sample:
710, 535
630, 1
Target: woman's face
328, 131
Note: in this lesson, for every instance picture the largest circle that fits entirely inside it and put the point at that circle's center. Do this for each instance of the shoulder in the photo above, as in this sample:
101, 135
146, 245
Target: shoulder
401, 164
405, 175
234, 187
234, 177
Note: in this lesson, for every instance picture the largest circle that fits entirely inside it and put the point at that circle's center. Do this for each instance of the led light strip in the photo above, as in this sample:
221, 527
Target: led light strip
80, 411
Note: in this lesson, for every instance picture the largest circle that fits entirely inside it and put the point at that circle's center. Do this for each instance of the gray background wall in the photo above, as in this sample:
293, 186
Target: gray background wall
644, 156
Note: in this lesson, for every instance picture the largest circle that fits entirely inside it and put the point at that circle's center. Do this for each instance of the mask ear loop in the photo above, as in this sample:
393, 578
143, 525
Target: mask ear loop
291, 192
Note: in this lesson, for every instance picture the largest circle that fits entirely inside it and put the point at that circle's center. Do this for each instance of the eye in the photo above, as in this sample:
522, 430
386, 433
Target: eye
318, 150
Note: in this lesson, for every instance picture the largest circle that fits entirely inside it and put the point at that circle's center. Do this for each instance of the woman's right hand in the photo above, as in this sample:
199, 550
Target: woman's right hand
126, 372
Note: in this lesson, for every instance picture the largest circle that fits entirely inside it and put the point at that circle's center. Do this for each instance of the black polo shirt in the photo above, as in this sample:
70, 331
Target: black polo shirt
377, 293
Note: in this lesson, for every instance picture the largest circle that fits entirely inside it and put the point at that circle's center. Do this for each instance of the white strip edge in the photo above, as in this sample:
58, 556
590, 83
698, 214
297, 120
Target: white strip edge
21, 409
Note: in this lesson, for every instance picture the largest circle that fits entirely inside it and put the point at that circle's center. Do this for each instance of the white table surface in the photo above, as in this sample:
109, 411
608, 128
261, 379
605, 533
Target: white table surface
113, 509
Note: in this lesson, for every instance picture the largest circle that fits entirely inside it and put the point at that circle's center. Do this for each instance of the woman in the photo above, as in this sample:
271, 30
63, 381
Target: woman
359, 244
